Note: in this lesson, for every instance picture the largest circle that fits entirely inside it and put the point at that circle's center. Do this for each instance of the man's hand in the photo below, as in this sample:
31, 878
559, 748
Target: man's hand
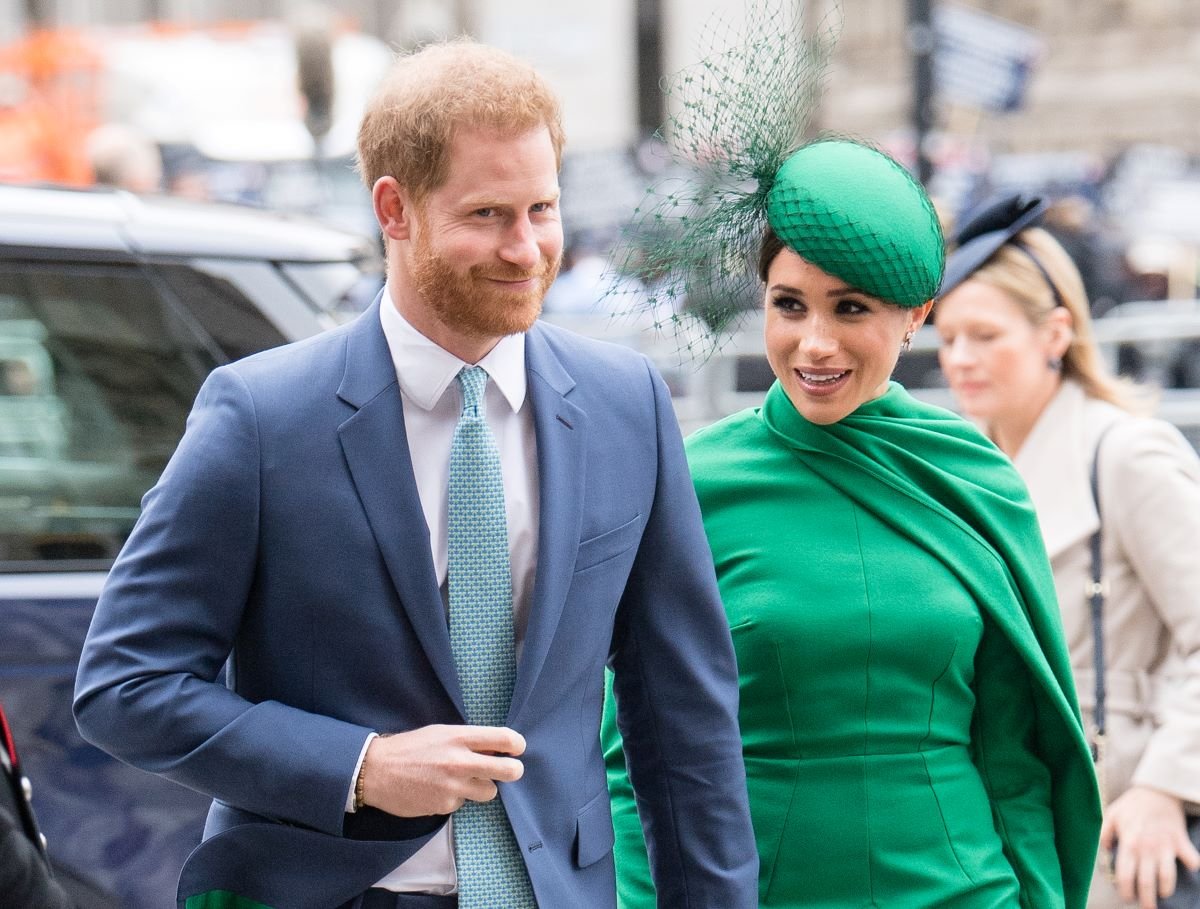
1150, 832
434, 769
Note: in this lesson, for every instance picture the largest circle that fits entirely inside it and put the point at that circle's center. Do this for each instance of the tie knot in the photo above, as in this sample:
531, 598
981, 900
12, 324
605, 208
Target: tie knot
473, 380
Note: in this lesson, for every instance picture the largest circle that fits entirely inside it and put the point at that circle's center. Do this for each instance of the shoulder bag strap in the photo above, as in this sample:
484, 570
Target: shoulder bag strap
1096, 590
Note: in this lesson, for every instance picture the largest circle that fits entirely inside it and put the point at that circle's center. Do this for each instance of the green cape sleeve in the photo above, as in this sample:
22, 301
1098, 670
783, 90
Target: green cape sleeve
635, 887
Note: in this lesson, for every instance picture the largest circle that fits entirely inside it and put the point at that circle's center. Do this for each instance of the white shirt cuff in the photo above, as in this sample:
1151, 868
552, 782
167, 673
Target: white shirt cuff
362, 755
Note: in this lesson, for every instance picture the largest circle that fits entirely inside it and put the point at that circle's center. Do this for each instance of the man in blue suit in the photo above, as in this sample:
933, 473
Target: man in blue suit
321, 532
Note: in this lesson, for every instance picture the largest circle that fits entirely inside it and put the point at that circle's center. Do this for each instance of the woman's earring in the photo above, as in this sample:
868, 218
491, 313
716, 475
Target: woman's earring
907, 343
1055, 364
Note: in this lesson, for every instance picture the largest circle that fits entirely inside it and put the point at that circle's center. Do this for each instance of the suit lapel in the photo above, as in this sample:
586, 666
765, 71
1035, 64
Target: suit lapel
376, 449
561, 429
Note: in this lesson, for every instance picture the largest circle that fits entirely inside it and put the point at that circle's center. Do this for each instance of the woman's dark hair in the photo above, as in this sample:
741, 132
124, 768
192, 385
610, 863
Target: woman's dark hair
770, 247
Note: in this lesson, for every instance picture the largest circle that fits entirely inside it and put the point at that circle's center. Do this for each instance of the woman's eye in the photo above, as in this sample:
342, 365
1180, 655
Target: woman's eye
852, 307
787, 304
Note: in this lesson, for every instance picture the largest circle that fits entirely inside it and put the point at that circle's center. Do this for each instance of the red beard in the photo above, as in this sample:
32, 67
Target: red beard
472, 303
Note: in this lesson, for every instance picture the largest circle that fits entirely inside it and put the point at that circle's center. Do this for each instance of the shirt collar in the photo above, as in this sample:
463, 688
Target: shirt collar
426, 370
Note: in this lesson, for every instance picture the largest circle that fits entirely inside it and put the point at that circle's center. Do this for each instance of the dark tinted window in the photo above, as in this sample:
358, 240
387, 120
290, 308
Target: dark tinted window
97, 375
222, 311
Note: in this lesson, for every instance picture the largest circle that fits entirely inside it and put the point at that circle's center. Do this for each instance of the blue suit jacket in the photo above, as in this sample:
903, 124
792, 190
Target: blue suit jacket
286, 538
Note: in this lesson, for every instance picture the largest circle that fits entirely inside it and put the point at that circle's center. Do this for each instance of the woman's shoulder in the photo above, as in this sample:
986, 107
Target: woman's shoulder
1128, 440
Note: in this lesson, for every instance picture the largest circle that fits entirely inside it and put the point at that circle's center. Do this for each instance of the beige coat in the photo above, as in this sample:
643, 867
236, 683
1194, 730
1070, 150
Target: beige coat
1150, 496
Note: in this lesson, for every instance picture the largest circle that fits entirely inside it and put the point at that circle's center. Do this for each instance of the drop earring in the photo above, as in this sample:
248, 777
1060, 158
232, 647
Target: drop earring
1055, 364
906, 344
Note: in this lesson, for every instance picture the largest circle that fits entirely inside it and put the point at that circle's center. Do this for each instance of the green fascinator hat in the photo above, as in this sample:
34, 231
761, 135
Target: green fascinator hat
736, 160
857, 214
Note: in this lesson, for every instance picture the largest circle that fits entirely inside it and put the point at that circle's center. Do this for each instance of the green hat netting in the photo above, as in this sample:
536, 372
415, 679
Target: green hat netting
737, 115
857, 214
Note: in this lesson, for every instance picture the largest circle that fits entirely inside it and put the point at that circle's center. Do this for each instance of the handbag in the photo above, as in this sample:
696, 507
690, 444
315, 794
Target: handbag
1187, 883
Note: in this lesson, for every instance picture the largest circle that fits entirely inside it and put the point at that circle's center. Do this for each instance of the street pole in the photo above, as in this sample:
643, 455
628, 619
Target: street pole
649, 43
920, 37
36, 14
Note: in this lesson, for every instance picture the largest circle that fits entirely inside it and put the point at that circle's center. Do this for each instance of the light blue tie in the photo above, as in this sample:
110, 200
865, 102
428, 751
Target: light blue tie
491, 873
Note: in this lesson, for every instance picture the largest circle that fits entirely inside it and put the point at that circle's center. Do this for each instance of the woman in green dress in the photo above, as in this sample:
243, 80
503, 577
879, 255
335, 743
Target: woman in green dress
911, 733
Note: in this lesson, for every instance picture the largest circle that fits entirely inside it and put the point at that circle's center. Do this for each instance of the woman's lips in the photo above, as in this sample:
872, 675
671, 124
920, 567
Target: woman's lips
822, 382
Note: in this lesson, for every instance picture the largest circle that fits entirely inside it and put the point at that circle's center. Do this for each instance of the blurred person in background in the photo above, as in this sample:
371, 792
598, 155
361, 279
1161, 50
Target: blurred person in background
579, 287
1018, 351
908, 719
123, 158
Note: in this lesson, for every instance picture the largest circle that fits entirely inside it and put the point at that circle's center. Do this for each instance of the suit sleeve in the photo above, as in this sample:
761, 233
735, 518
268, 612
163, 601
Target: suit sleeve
149, 690
1017, 779
1154, 511
676, 694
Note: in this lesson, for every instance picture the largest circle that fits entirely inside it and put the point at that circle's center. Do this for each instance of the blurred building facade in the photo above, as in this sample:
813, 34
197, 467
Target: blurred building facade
1112, 71
1102, 107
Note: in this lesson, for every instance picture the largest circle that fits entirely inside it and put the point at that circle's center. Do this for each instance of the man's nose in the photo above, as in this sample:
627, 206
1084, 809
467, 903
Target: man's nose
520, 246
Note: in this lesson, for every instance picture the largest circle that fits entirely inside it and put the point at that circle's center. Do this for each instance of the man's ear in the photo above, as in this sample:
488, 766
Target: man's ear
394, 209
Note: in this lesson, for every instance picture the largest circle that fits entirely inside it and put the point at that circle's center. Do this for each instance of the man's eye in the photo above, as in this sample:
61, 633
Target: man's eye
485, 212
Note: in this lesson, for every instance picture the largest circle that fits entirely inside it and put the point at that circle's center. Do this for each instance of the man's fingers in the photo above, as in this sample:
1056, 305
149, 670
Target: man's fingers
491, 767
477, 790
505, 770
492, 740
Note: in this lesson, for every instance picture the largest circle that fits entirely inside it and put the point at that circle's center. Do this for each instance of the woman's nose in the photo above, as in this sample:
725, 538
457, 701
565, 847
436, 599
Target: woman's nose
819, 341
956, 352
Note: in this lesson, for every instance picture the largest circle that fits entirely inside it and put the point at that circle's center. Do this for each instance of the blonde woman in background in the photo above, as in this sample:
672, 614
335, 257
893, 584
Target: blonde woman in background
1018, 350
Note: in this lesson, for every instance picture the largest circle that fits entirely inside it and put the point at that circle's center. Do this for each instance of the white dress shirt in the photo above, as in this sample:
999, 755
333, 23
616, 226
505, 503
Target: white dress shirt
432, 403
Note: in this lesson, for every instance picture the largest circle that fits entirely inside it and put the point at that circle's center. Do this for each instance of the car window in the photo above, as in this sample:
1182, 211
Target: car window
222, 310
97, 375
340, 289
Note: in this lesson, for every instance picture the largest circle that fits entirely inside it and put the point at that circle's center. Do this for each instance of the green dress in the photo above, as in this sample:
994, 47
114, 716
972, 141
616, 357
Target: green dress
910, 730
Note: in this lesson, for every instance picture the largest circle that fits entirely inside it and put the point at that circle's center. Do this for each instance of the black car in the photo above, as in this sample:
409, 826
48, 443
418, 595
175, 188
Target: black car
113, 309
